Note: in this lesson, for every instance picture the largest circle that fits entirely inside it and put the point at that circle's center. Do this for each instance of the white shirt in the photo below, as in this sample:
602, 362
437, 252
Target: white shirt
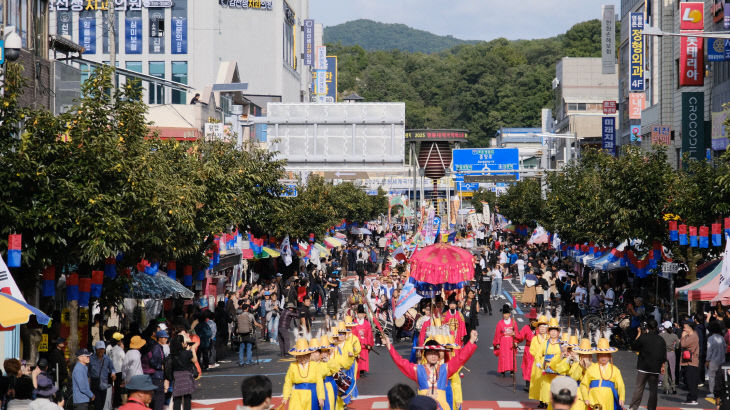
580, 294
609, 298
497, 273
116, 353
132, 364
482, 263
503, 257
520, 265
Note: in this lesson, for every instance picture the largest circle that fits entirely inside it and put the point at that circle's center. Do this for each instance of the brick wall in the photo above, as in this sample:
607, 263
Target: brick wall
38, 92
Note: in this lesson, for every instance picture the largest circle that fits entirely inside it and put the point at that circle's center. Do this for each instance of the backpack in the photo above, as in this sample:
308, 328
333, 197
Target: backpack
243, 323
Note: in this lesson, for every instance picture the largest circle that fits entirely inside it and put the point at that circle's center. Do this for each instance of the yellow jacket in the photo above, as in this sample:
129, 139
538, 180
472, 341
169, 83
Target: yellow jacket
296, 385
601, 394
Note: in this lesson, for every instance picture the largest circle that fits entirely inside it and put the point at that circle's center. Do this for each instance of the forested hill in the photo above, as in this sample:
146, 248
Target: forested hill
371, 35
481, 87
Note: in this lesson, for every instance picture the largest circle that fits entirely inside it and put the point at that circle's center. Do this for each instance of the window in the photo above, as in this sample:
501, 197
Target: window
576, 106
180, 75
135, 66
85, 72
288, 44
157, 91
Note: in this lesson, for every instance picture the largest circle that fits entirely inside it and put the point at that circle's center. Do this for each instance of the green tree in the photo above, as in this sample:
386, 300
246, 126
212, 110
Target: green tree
522, 203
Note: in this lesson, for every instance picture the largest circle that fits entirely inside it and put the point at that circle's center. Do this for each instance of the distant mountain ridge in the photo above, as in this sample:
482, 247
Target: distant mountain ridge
372, 36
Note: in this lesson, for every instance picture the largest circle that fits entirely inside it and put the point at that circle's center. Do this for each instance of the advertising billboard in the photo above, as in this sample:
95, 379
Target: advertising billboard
472, 160
308, 42
693, 124
608, 134
608, 39
691, 64
636, 57
692, 16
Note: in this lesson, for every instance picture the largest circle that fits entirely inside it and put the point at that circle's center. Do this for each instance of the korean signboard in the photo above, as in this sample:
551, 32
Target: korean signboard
691, 16
308, 42
133, 33
436, 135
635, 133
324, 82
64, 23
247, 4
636, 56
609, 107
321, 58
179, 33
719, 133
485, 159
661, 135
691, 65
608, 134
93, 5
637, 103
87, 32
693, 124
608, 40
726, 18
718, 49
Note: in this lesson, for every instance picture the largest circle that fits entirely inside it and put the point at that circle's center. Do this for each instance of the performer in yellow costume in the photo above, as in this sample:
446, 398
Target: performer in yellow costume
537, 345
545, 353
574, 362
303, 385
321, 349
602, 384
353, 347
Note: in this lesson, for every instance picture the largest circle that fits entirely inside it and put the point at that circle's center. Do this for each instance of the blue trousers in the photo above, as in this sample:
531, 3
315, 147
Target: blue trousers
241, 347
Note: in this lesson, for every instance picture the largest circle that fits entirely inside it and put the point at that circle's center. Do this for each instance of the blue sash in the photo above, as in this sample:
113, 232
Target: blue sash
450, 395
548, 358
330, 380
353, 391
610, 385
414, 358
312, 387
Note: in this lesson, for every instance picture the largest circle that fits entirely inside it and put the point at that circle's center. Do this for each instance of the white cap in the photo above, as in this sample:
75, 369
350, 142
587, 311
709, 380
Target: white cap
667, 324
163, 326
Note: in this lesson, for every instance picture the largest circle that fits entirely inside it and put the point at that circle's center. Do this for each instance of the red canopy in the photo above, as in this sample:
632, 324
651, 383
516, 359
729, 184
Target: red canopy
442, 263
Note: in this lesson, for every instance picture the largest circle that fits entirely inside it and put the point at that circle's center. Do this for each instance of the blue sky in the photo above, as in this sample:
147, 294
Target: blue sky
466, 19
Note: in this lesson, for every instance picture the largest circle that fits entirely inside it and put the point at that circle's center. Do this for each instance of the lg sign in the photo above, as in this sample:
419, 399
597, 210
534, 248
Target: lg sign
692, 16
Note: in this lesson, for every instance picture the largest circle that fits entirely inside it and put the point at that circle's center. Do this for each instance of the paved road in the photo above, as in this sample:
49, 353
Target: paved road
482, 386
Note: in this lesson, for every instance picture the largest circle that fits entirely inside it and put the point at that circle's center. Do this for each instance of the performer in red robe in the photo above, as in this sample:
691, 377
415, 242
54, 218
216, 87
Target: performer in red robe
364, 332
455, 320
527, 333
506, 337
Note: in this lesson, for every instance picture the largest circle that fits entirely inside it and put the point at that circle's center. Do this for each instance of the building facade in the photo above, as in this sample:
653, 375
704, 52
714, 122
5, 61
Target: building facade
159, 37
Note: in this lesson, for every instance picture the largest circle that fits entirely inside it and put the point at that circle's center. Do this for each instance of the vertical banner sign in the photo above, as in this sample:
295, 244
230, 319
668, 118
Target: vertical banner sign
321, 62
309, 42
692, 16
133, 32
637, 102
635, 133
179, 35
693, 124
157, 31
321, 85
64, 23
661, 135
87, 32
331, 78
726, 19
691, 64
608, 39
608, 134
636, 61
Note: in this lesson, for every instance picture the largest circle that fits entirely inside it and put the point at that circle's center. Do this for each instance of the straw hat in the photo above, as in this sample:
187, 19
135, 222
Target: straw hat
584, 347
301, 347
349, 322
542, 320
316, 344
573, 341
341, 328
553, 324
433, 345
603, 346
136, 342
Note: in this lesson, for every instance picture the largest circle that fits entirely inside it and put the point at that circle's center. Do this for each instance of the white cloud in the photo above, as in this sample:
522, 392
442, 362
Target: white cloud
466, 19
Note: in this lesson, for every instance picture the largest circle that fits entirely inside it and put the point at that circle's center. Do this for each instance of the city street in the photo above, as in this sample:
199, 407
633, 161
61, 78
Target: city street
482, 385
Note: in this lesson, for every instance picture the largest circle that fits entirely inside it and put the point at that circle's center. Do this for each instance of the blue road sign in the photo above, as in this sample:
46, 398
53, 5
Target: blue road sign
289, 191
486, 159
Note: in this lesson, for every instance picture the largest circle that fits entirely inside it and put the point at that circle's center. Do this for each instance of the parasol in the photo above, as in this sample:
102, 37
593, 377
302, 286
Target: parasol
441, 266
340, 235
333, 242
16, 312
322, 249
271, 252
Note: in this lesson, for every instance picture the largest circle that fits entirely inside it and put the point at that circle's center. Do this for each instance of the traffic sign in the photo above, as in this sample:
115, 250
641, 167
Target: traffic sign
491, 178
486, 159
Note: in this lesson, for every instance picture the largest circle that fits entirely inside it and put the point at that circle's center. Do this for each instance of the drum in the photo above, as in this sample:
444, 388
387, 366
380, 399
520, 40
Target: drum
344, 383
410, 320
400, 321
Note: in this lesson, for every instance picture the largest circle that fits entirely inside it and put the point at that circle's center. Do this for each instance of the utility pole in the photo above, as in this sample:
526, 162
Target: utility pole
112, 46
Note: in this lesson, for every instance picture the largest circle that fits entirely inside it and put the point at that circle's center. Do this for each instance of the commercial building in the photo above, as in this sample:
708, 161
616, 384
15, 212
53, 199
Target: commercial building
580, 89
158, 38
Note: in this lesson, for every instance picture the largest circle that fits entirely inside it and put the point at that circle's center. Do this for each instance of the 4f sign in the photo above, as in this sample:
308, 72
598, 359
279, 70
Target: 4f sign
692, 16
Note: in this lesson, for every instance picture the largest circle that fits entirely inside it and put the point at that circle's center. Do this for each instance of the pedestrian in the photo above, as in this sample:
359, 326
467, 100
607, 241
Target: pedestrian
485, 287
506, 339
152, 365
497, 281
57, 365
140, 389
651, 348
256, 393
715, 353
115, 351
180, 372
722, 387
672, 342
22, 389
690, 360
212, 357
133, 358
288, 317
470, 310
529, 294
303, 385
245, 325
563, 392
101, 370
202, 330
44, 393
82, 394
399, 396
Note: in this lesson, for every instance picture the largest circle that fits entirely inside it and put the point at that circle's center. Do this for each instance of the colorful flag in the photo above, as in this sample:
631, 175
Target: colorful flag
673, 234
72, 287
716, 234
14, 250
683, 234
84, 291
704, 238
693, 236
110, 268
286, 251
97, 281
172, 269
725, 273
407, 299
188, 275
49, 282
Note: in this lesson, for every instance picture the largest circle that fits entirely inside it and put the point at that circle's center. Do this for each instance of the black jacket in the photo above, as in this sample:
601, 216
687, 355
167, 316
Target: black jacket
722, 388
652, 352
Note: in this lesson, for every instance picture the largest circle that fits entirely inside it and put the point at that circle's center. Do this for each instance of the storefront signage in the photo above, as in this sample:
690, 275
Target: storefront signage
247, 4
436, 135
133, 34
661, 135
691, 16
87, 33
608, 40
93, 5
609, 107
608, 134
636, 62
308, 42
637, 103
693, 124
691, 65
718, 49
726, 19
64, 23
179, 35
635, 133
719, 132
